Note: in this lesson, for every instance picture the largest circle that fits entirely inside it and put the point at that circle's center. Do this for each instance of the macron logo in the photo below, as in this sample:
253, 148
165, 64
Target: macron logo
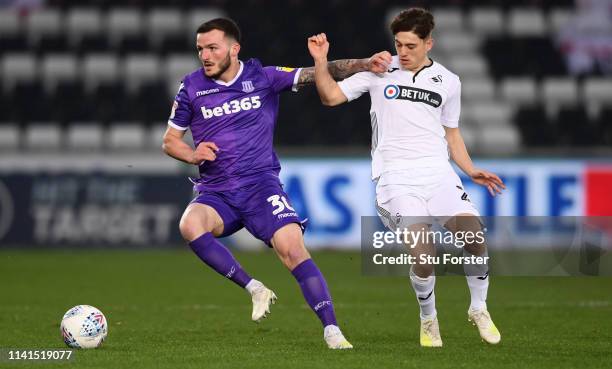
207, 92
232, 107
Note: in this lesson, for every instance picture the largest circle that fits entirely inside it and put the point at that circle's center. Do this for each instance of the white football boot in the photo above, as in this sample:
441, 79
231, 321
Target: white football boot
430, 333
335, 339
487, 329
262, 298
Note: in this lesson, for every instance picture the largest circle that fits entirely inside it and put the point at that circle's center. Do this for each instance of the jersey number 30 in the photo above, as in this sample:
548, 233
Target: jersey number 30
279, 203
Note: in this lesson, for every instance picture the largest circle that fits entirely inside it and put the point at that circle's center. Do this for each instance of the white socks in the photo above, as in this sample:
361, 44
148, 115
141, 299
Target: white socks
426, 297
253, 285
477, 277
478, 291
331, 329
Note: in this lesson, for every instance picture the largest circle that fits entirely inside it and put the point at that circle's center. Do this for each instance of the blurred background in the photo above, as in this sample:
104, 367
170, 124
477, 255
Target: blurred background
87, 86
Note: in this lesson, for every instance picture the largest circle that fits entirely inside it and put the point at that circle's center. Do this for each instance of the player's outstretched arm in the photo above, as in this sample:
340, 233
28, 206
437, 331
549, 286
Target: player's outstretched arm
325, 73
459, 154
330, 93
175, 147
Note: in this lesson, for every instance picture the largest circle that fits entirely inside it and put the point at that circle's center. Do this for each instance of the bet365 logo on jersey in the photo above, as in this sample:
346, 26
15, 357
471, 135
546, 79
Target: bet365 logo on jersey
232, 107
413, 94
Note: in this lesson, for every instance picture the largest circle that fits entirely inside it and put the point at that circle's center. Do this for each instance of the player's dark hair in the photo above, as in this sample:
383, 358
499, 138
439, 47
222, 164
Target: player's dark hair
417, 20
228, 26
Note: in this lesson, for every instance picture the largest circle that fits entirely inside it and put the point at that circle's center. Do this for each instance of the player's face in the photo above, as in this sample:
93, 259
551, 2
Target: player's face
215, 52
412, 50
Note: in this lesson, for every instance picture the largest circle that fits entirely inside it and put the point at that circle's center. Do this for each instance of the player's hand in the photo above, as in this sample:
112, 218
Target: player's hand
318, 46
489, 180
379, 62
205, 151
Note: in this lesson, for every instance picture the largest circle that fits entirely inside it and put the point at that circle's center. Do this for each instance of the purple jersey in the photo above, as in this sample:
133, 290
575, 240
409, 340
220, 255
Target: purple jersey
239, 117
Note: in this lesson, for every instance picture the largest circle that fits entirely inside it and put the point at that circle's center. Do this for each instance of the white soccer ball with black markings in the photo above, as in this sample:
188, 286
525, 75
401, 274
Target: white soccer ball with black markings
84, 326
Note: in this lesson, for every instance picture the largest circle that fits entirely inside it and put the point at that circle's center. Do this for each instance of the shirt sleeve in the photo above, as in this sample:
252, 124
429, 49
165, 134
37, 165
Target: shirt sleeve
181, 113
452, 108
356, 85
283, 78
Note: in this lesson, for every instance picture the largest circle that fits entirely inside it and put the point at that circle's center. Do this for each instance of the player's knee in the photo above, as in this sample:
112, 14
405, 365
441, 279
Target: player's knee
470, 231
193, 225
187, 227
295, 256
463, 222
476, 248
292, 251
423, 270
475, 244
289, 245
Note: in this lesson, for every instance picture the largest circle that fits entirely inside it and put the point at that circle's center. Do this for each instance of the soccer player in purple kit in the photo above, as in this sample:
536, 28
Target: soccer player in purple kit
231, 107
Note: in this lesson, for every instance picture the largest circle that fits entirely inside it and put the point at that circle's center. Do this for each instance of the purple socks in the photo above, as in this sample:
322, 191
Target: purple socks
315, 291
218, 257
311, 281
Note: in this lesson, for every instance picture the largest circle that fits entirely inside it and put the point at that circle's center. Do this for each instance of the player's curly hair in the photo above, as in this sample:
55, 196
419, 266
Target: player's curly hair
228, 26
417, 20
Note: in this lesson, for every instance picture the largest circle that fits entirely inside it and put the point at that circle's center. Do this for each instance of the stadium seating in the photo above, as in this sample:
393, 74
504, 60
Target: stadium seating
102, 62
18, 68
458, 43
43, 136
9, 137
125, 136
520, 90
57, 69
448, 20
605, 125
44, 29
467, 66
558, 18
99, 69
84, 136
597, 94
486, 21
11, 36
526, 22
535, 127
476, 90
82, 23
496, 140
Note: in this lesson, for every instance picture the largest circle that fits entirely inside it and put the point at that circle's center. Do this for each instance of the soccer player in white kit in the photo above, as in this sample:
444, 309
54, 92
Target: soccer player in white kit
415, 126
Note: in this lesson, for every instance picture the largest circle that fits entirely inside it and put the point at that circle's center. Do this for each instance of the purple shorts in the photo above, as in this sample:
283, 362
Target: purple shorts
262, 207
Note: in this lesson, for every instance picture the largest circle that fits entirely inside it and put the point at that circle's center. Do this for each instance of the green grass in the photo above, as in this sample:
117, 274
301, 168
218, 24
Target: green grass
167, 310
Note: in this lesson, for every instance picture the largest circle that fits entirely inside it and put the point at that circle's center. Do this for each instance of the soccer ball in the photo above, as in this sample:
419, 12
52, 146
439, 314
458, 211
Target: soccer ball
84, 326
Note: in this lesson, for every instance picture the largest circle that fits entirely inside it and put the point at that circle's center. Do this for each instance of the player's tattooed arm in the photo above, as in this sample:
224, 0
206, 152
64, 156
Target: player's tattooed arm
344, 68
325, 73
339, 69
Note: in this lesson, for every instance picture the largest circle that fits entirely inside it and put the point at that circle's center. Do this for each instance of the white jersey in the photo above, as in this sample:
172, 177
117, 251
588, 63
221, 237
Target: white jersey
408, 113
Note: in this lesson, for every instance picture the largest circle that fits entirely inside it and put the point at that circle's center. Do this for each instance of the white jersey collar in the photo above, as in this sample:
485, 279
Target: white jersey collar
222, 83
431, 63
395, 64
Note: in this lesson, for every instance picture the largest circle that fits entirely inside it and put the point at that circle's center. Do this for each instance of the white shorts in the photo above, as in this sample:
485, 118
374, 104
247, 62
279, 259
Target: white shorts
401, 205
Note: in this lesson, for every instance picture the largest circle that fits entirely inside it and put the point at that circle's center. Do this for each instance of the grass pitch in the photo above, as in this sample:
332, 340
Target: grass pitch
168, 310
